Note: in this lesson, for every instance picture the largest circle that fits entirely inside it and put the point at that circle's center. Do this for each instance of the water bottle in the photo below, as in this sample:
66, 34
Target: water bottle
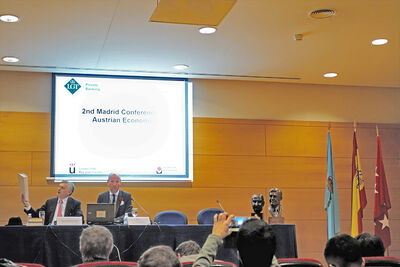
29, 217
126, 218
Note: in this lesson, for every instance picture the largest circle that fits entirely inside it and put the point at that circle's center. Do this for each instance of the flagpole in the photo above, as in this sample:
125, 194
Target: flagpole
355, 125
377, 132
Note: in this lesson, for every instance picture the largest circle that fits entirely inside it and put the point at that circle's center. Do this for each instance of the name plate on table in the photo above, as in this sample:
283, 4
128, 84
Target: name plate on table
69, 220
138, 221
35, 221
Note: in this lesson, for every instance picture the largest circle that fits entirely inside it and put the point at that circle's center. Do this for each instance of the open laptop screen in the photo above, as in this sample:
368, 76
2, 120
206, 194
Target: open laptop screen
100, 213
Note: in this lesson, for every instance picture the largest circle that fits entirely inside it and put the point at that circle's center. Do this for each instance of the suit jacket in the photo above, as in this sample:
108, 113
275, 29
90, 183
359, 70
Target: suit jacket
124, 203
73, 208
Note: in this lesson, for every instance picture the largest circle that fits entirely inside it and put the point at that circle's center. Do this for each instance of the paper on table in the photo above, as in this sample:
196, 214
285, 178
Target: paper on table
23, 185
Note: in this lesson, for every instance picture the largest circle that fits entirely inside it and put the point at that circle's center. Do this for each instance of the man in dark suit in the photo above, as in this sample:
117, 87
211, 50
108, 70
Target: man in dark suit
122, 200
61, 206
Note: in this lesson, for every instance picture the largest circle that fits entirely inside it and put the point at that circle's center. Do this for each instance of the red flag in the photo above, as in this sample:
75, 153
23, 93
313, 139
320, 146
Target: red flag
382, 200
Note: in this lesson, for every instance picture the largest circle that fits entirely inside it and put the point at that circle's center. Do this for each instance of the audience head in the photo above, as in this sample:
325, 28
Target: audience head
114, 182
65, 189
343, 251
159, 256
187, 248
371, 245
256, 243
95, 244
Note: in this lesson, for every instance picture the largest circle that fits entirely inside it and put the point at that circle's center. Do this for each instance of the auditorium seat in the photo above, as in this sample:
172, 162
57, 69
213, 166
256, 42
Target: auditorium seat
382, 261
170, 217
206, 216
29, 264
299, 262
108, 263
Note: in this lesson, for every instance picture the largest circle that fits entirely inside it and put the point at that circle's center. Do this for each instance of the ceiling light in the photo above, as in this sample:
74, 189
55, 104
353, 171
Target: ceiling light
9, 18
207, 30
181, 67
10, 59
330, 74
322, 13
379, 41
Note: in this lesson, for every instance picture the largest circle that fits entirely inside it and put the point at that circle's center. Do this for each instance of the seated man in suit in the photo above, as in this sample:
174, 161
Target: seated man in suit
60, 206
122, 200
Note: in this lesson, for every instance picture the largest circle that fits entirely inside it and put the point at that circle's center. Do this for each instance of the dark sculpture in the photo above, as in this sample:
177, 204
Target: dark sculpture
275, 197
257, 202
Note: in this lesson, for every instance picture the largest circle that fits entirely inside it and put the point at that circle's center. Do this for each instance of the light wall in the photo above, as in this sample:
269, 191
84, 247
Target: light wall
31, 92
233, 158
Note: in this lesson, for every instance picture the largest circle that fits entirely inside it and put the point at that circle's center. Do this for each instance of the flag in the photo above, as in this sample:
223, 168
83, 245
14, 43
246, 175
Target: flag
358, 196
331, 195
382, 200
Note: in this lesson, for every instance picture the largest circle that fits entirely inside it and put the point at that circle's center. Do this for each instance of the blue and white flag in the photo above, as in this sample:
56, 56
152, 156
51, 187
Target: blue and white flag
331, 195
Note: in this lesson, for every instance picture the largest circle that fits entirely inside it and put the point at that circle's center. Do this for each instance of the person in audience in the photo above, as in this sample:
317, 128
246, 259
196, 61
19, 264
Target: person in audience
343, 251
60, 206
159, 256
371, 245
95, 244
187, 251
256, 242
121, 199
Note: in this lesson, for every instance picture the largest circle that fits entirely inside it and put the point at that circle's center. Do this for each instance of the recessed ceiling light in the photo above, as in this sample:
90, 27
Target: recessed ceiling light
181, 67
10, 59
330, 74
322, 13
379, 41
207, 30
9, 18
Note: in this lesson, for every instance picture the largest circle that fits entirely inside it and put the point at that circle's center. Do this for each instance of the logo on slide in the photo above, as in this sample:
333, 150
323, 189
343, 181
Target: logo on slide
72, 86
72, 166
159, 170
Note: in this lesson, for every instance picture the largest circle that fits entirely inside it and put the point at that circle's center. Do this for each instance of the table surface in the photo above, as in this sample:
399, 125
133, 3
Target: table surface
58, 246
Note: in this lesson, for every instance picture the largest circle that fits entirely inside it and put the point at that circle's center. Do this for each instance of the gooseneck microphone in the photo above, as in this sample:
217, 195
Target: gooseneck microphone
219, 203
140, 206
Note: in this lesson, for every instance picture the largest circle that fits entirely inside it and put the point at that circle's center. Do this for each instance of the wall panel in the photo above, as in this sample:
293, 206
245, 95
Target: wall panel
232, 160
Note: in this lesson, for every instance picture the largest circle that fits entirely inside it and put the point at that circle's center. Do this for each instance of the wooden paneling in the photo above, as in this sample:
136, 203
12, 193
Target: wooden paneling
12, 163
40, 167
24, 131
233, 159
242, 171
228, 139
295, 141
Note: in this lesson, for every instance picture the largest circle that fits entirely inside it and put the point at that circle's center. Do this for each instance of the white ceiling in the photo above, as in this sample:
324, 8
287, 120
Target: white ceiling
253, 42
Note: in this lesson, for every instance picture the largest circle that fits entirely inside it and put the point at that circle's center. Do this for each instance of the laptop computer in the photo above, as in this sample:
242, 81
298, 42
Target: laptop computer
100, 213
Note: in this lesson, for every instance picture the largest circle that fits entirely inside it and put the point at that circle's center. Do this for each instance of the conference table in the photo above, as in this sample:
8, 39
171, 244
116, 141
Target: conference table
58, 246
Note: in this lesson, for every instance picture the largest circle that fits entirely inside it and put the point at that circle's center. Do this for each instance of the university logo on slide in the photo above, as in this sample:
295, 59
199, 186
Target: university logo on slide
72, 86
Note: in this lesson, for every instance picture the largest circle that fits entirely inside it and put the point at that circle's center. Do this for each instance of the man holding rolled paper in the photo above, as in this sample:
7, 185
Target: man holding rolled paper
61, 206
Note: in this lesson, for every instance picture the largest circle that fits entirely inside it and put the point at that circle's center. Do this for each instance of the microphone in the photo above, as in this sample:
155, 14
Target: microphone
219, 203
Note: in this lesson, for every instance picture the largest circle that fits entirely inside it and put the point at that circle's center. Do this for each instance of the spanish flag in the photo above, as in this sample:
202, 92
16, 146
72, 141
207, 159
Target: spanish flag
358, 196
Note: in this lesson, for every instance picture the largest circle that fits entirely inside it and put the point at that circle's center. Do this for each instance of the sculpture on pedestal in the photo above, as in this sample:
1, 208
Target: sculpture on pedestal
257, 202
275, 208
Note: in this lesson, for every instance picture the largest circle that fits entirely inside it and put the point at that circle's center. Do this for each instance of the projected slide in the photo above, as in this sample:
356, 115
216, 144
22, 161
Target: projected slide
140, 128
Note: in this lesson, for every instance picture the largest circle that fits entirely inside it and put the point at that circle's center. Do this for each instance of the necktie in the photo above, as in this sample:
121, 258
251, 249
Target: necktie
59, 213
113, 200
